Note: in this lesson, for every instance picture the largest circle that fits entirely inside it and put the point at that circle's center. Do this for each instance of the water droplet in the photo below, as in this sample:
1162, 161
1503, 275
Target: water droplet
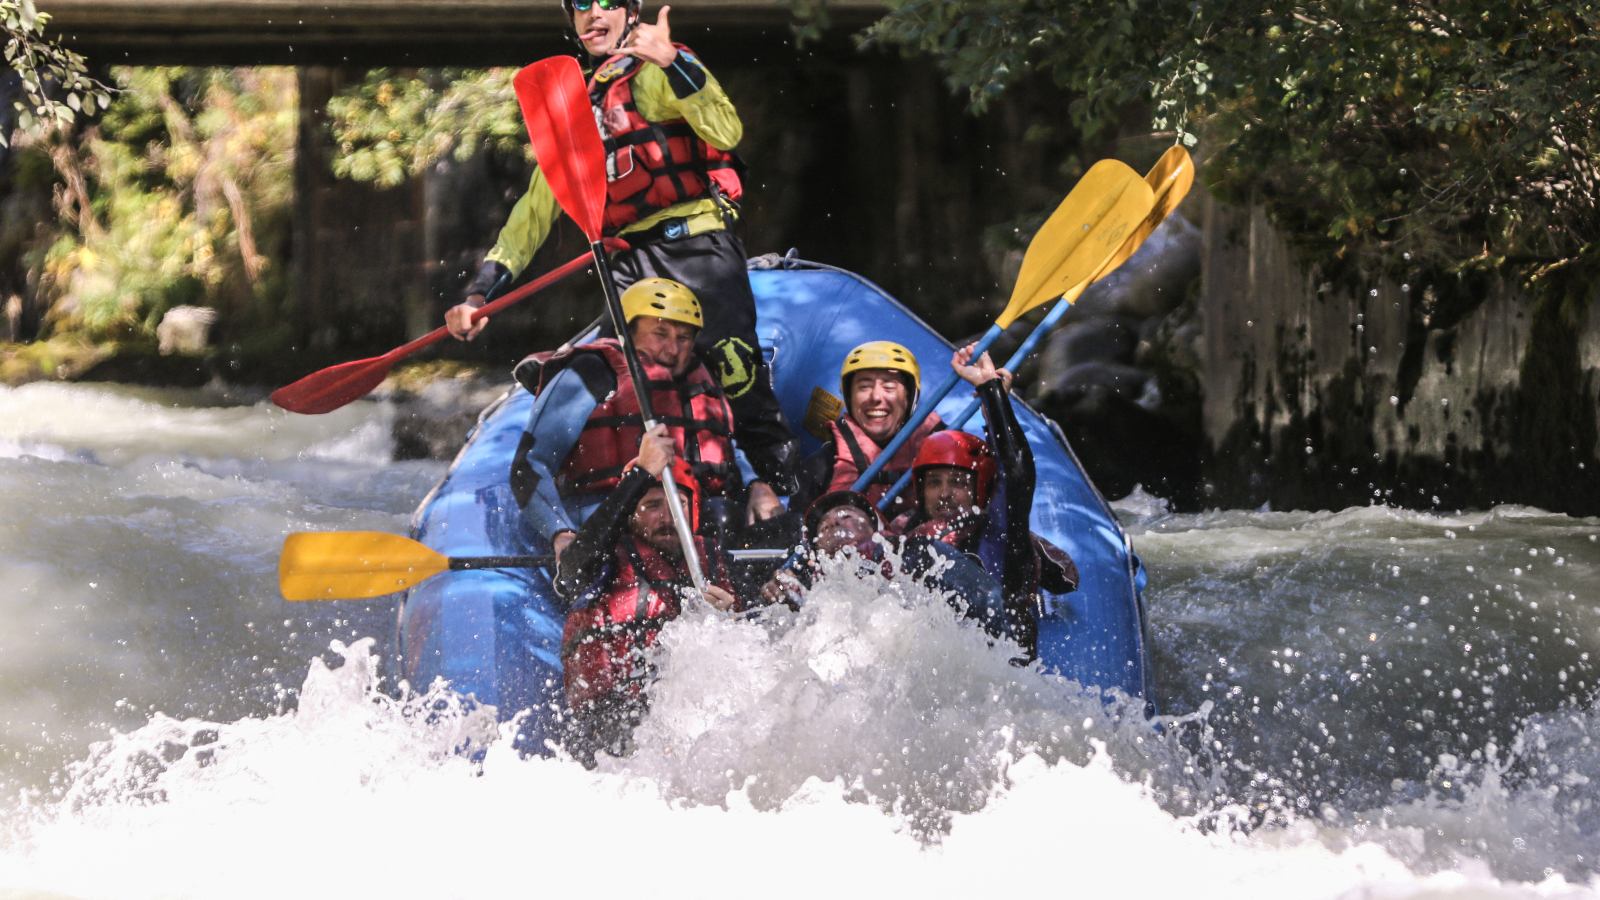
1405, 288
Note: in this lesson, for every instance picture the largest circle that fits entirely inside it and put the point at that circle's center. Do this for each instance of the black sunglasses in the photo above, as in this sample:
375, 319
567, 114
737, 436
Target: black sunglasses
583, 5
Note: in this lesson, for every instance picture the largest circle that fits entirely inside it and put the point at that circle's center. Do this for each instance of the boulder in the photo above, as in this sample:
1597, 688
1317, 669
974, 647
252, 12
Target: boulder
433, 422
1122, 444
185, 330
1110, 340
1100, 378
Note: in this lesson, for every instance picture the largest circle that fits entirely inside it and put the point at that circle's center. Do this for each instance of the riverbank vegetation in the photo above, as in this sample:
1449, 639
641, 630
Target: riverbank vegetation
1429, 143
179, 194
1384, 138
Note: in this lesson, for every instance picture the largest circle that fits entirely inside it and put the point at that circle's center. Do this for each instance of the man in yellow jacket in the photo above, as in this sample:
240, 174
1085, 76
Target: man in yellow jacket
672, 192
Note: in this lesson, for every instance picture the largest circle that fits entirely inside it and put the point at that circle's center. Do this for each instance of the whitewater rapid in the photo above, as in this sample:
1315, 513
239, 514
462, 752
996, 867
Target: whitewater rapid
1370, 702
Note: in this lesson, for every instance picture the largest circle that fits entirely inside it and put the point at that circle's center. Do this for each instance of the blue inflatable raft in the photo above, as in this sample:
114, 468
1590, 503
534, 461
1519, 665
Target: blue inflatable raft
496, 634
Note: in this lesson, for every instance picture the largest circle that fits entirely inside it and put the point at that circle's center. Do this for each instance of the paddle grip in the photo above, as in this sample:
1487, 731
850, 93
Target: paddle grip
924, 409
1017, 358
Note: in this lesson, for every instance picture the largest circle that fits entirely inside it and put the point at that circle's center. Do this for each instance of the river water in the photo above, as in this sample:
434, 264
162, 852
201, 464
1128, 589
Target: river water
1365, 703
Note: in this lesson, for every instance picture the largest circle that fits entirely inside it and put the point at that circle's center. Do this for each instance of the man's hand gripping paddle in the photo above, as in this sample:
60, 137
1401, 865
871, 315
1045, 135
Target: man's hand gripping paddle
354, 565
1170, 179
566, 142
333, 387
1088, 227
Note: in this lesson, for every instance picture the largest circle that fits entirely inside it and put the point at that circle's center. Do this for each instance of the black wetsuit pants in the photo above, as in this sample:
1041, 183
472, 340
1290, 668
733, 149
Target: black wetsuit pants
712, 264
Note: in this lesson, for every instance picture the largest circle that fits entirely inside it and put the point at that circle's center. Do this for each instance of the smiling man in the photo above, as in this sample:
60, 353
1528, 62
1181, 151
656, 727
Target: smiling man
880, 382
587, 422
673, 188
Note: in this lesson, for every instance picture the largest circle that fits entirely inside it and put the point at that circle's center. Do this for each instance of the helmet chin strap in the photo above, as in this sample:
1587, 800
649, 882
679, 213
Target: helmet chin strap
627, 29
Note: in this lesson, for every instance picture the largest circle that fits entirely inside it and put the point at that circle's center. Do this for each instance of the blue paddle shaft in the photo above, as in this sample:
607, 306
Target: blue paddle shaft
924, 409
1047, 323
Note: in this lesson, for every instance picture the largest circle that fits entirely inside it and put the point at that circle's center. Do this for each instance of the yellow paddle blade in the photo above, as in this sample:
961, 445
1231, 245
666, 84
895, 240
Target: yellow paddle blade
1087, 228
1169, 179
350, 565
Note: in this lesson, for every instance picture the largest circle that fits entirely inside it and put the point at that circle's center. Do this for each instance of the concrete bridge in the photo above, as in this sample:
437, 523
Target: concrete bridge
402, 32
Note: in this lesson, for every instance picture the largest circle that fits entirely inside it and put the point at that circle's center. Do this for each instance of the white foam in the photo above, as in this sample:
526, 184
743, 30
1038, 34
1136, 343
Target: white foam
121, 423
356, 792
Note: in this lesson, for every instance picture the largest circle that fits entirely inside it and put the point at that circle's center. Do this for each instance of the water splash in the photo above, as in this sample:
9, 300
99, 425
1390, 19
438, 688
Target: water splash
876, 684
319, 799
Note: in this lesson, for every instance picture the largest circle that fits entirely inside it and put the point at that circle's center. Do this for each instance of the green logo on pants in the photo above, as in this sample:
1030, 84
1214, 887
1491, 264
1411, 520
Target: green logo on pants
735, 364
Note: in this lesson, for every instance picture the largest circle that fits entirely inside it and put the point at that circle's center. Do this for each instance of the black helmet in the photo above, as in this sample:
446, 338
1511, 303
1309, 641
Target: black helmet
829, 502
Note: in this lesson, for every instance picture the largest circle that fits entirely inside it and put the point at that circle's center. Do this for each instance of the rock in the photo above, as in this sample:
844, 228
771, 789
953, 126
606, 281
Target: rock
1111, 340
185, 330
1122, 444
433, 421
1109, 379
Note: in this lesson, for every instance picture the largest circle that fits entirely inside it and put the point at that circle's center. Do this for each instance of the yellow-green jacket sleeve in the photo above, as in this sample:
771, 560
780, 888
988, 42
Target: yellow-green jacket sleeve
709, 111
529, 224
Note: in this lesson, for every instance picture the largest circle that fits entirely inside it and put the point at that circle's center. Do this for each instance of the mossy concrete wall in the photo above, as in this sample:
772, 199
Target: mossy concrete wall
1450, 393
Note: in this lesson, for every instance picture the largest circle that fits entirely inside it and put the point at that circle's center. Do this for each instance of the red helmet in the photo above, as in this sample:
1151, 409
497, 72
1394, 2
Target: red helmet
962, 451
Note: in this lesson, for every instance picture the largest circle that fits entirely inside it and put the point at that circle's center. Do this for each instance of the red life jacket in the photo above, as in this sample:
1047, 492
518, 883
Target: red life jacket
853, 452
652, 165
603, 645
961, 531
693, 409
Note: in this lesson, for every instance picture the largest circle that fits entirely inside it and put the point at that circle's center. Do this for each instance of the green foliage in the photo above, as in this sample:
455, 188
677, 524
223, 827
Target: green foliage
1383, 136
44, 64
392, 126
179, 195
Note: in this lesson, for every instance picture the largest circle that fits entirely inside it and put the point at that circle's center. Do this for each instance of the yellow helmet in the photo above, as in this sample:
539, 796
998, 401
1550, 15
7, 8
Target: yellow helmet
662, 298
880, 355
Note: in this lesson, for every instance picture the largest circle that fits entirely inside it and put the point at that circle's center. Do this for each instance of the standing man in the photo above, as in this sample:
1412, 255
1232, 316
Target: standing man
672, 193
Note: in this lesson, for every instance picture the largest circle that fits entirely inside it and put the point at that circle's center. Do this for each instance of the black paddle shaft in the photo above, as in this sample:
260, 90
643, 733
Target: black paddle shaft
619, 322
457, 563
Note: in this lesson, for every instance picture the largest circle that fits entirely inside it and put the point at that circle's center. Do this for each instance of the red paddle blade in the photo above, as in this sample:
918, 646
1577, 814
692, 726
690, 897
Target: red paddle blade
327, 390
566, 140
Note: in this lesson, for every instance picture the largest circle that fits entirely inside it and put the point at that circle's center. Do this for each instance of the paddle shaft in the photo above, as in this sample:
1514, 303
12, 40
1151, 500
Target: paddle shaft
641, 389
459, 563
924, 409
489, 309
1017, 358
